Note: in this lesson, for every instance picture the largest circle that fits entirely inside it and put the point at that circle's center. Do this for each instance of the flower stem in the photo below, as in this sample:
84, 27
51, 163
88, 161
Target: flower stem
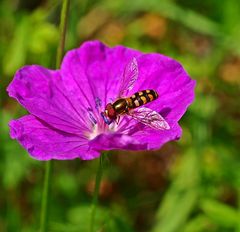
63, 29
49, 164
96, 191
45, 197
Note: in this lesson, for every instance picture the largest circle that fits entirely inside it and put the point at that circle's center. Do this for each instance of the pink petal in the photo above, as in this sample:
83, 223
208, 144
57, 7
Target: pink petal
44, 142
41, 92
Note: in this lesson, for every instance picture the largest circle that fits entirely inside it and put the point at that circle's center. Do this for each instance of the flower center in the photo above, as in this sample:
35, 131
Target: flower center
100, 127
96, 123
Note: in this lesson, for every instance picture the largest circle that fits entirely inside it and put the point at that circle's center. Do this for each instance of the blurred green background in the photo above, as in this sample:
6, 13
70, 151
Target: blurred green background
191, 185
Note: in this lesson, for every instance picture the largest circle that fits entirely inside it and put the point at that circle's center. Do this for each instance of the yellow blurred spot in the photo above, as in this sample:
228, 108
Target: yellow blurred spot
113, 33
154, 25
230, 71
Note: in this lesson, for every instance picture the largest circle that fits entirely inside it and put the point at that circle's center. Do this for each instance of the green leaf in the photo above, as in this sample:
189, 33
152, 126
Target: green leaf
197, 224
180, 199
16, 161
169, 9
16, 54
79, 219
220, 213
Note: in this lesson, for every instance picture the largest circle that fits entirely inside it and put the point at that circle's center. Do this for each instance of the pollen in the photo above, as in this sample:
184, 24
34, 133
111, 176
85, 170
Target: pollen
95, 132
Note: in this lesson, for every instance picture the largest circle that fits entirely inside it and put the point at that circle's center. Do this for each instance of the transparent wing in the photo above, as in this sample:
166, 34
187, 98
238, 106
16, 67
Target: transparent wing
150, 118
129, 77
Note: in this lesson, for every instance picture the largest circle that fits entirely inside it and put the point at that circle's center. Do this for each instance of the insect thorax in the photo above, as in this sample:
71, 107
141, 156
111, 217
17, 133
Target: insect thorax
121, 106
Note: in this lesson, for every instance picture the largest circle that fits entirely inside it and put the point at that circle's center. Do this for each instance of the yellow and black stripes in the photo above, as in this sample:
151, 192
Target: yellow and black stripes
142, 98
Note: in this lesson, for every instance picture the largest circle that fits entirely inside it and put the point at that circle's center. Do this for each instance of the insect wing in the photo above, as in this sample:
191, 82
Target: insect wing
129, 77
150, 118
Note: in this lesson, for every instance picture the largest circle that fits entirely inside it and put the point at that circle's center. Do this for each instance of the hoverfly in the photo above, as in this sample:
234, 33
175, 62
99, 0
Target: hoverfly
132, 106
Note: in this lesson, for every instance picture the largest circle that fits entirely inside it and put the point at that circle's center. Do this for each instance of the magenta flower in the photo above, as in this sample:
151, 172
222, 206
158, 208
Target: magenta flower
65, 120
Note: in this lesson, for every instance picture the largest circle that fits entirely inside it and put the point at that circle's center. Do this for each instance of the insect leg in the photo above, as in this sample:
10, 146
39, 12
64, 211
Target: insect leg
118, 119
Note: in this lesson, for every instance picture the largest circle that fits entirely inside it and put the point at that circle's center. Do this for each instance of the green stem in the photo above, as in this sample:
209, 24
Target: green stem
96, 191
63, 29
45, 197
49, 164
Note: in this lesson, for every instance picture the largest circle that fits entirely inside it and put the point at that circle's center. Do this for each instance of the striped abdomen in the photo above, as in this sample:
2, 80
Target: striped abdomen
142, 98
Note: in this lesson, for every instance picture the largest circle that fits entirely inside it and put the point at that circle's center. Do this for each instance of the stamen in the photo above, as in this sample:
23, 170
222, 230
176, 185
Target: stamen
91, 116
98, 103
94, 121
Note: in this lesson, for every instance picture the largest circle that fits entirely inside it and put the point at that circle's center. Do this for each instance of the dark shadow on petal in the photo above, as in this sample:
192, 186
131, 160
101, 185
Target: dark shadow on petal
30, 149
19, 97
165, 111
